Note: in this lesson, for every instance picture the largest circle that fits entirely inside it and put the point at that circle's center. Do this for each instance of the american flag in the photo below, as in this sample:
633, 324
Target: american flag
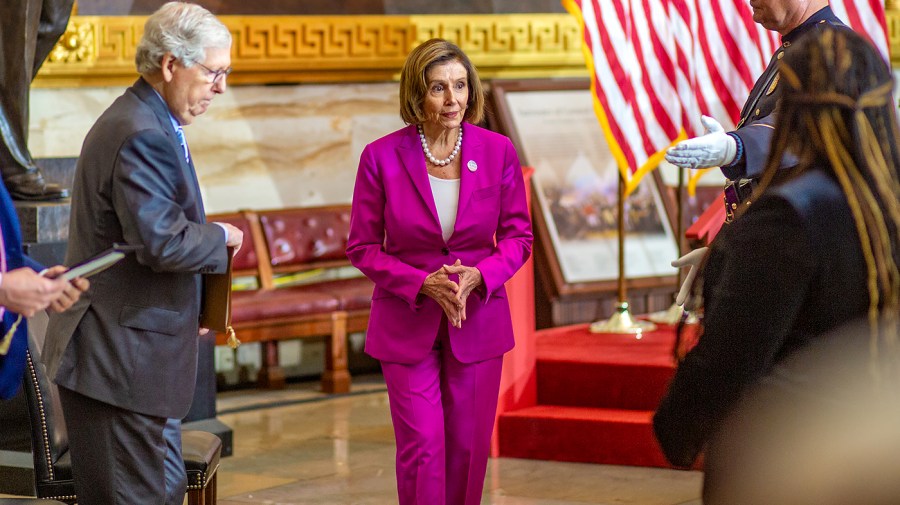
657, 65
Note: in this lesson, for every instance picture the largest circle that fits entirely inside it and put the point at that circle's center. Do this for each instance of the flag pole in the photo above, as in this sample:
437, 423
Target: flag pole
673, 314
621, 320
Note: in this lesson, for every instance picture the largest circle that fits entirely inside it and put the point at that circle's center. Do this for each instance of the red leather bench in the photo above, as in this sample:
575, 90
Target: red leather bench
297, 242
306, 239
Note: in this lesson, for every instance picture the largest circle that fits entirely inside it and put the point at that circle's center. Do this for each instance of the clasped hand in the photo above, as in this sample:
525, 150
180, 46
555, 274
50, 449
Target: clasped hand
450, 295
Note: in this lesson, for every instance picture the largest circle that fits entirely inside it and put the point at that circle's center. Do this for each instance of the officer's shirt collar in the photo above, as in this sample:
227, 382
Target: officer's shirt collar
823, 14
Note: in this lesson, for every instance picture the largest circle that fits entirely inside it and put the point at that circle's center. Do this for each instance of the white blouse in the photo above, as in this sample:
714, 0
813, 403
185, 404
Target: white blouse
446, 200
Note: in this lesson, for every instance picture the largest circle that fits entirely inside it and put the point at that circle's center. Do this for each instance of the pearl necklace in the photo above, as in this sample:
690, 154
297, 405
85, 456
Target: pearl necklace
431, 157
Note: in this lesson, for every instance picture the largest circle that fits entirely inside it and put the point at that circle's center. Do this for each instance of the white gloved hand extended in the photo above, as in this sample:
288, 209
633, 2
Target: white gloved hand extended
714, 149
692, 259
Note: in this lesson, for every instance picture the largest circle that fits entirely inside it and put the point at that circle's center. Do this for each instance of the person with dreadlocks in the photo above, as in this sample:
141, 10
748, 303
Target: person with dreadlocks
816, 249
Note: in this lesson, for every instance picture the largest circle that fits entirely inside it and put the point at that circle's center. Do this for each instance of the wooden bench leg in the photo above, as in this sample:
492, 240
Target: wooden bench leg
271, 375
206, 495
336, 377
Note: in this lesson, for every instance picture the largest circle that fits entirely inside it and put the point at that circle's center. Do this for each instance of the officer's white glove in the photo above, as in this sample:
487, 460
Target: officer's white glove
693, 260
714, 149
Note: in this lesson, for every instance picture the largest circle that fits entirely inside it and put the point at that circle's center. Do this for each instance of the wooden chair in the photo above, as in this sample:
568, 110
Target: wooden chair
50, 443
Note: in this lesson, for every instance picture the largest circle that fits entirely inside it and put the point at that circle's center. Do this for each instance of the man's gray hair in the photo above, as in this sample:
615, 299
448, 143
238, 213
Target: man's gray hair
183, 29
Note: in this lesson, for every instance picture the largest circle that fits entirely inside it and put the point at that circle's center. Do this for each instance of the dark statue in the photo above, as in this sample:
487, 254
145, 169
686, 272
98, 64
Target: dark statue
28, 32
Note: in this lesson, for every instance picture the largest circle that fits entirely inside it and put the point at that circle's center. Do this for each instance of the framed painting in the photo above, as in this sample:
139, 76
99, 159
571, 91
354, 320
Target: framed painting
575, 191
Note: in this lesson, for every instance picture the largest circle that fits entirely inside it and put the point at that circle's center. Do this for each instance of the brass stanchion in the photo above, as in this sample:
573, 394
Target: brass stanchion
673, 314
621, 321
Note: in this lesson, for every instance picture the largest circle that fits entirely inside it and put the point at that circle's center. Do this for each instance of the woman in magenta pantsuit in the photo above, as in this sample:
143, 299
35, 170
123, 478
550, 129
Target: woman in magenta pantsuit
440, 223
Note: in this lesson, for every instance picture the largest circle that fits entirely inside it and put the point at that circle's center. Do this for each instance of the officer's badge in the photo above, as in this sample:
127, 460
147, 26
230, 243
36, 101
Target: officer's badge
773, 85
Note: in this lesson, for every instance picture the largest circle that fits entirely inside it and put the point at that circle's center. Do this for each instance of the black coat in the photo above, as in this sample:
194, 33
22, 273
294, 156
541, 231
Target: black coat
787, 271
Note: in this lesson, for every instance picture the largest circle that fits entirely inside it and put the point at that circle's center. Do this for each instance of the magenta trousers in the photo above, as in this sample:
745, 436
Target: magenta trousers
443, 413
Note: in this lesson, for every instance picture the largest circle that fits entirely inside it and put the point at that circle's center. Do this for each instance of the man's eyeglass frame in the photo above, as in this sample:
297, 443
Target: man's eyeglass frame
217, 75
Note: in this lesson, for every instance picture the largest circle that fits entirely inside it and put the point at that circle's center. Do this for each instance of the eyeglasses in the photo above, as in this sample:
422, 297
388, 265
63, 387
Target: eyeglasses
214, 76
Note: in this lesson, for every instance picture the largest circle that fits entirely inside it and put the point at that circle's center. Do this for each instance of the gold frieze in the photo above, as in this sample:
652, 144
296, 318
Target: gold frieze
99, 50
75, 46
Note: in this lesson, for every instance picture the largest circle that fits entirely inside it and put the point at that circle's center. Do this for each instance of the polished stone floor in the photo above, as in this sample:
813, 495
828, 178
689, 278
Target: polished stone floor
298, 446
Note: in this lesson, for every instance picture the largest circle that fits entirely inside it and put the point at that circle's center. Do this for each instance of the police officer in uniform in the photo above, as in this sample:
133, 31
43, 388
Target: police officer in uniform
742, 153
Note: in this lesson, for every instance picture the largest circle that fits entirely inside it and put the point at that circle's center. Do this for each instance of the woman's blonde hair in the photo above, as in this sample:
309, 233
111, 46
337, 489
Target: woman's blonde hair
414, 86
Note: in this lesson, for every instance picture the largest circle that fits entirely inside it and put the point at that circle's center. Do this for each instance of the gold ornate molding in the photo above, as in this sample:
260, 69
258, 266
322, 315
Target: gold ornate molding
99, 50
892, 13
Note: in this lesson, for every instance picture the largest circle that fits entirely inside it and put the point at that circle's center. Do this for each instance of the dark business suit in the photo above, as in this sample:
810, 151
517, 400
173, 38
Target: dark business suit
788, 271
130, 343
756, 126
13, 364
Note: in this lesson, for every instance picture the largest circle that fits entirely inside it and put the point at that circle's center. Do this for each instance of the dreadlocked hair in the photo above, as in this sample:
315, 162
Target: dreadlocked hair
837, 112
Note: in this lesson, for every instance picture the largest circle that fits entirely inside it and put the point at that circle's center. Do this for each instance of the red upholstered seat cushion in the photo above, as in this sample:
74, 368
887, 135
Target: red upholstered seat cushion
246, 258
301, 236
287, 302
352, 294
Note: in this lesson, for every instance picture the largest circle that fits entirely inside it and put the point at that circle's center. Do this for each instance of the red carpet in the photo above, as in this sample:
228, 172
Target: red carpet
595, 398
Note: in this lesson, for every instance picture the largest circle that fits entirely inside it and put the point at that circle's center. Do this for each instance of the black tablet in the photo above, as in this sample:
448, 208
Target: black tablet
99, 262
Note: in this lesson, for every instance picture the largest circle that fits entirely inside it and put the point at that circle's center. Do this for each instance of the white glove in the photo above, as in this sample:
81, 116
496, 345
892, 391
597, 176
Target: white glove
714, 149
692, 259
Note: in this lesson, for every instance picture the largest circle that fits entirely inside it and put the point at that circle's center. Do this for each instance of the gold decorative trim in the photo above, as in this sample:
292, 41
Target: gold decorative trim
99, 50
893, 31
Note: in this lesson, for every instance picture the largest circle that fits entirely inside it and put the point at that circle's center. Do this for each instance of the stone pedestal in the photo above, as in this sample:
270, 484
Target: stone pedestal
43, 222
46, 222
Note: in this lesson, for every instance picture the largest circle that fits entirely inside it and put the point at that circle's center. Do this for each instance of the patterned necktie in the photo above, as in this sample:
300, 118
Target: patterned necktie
180, 134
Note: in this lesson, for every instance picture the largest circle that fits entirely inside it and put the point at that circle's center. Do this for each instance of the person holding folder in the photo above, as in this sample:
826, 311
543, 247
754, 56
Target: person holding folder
125, 356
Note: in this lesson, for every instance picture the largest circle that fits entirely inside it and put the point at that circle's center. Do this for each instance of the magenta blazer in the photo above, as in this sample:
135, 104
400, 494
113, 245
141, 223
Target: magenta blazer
395, 240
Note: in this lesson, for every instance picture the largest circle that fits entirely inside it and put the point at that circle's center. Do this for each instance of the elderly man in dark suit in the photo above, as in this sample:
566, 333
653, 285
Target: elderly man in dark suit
126, 357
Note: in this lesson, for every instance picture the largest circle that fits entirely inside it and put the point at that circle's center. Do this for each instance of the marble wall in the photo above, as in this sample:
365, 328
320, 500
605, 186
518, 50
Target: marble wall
257, 147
